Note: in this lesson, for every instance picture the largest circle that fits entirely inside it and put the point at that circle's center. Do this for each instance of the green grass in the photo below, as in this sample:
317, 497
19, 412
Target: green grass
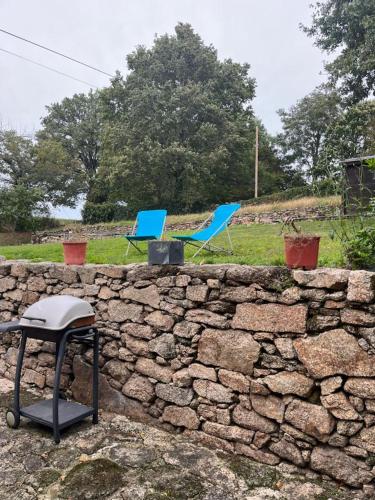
258, 244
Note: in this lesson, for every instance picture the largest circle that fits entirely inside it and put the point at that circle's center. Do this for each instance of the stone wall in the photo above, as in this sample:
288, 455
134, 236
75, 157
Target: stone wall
100, 231
273, 365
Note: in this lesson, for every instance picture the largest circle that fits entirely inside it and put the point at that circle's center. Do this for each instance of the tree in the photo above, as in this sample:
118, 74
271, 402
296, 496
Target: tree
16, 159
274, 176
347, 27
59, 176
33, 176
305, 127
19, 207
178, 130
20, 198
351, 135
76, 126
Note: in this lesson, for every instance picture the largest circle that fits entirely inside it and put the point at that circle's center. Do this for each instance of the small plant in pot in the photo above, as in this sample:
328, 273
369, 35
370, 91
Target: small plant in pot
301, 249
75, 248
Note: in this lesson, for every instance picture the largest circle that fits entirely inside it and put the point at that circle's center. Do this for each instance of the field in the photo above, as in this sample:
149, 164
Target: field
258, 244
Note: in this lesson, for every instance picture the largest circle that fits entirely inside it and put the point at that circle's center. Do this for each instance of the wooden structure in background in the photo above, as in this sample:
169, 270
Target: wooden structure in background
359, 184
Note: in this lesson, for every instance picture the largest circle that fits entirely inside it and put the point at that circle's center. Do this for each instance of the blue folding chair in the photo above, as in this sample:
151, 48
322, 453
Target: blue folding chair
149, 225
219, 222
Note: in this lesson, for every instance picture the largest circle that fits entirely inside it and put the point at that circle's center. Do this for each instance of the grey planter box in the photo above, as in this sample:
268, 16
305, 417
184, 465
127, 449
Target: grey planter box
165, 252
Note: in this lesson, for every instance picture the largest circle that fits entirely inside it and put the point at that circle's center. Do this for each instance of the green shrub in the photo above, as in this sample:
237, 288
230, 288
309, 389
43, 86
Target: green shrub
93, 213
44, 223
360, 249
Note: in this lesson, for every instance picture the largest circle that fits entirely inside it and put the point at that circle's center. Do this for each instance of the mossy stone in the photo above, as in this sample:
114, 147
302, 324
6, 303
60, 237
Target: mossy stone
180, 487
254, 474
92, 479
46, 477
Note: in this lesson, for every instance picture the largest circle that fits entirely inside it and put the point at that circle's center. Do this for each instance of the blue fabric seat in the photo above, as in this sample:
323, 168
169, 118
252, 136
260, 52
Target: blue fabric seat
149, 225
219, 222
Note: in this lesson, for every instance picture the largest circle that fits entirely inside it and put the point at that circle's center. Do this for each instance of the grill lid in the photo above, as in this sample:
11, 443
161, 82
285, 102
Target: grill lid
56, 313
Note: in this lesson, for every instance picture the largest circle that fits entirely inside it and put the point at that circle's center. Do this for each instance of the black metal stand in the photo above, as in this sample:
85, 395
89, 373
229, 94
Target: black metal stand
57, 413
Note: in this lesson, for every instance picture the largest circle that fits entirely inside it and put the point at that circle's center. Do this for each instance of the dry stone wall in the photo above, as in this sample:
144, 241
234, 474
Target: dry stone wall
100, 231
259, 361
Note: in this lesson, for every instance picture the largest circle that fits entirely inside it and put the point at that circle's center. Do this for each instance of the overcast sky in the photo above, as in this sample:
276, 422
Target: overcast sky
263, 33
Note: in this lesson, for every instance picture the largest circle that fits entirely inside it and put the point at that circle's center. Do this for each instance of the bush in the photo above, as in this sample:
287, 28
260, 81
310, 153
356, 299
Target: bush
45, 223
93, 213
360, 249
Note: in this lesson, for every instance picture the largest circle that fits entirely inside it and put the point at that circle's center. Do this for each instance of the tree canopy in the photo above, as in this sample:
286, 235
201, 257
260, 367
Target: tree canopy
44, 165
74, 125
179, 130
32, 176
352, 135
20, 197
305, 126
319, 132
347, 28
16, 159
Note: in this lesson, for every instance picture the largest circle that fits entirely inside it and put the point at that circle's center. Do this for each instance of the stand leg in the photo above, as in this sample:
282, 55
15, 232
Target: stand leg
56, 389
61, 393
57, 347
95, 379
13, 413
17, 381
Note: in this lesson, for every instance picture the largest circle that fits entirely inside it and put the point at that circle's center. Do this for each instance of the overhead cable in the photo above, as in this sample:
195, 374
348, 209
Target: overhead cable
49, 68
55, 52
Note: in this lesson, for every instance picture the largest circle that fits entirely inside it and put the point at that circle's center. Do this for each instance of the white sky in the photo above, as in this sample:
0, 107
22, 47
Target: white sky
264, 33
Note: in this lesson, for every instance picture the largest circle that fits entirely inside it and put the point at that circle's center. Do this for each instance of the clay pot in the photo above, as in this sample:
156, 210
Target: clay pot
301, 251
74, 252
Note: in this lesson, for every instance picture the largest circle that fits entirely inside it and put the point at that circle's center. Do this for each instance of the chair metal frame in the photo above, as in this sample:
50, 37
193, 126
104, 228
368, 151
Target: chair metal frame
134, 230
209, 246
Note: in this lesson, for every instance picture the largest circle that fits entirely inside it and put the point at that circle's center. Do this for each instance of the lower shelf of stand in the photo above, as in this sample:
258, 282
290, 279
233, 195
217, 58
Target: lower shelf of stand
69, 412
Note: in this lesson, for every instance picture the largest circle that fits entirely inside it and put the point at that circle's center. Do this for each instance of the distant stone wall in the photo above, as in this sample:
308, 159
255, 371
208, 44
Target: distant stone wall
100, 231
273, 365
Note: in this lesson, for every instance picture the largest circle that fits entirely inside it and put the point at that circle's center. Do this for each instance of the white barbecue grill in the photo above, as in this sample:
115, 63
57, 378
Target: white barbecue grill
57, 313
59, 319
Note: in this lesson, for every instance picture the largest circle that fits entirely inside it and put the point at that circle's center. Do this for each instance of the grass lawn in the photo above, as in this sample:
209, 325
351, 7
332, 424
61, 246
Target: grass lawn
258, 244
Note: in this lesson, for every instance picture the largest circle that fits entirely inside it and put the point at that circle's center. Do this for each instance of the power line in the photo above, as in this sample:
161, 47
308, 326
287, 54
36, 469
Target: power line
49, 68
55, 52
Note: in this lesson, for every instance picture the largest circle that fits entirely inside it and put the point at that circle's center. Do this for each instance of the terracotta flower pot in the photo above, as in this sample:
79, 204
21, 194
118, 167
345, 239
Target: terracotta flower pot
75, 252
301, 251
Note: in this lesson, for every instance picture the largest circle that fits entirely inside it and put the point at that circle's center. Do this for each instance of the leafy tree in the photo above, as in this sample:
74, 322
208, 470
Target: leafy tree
275, 174
20, 198
347, 27
16, 159
75, 124
19, 207
57, 174
305, 127
178, 131
351, 135
33, 176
